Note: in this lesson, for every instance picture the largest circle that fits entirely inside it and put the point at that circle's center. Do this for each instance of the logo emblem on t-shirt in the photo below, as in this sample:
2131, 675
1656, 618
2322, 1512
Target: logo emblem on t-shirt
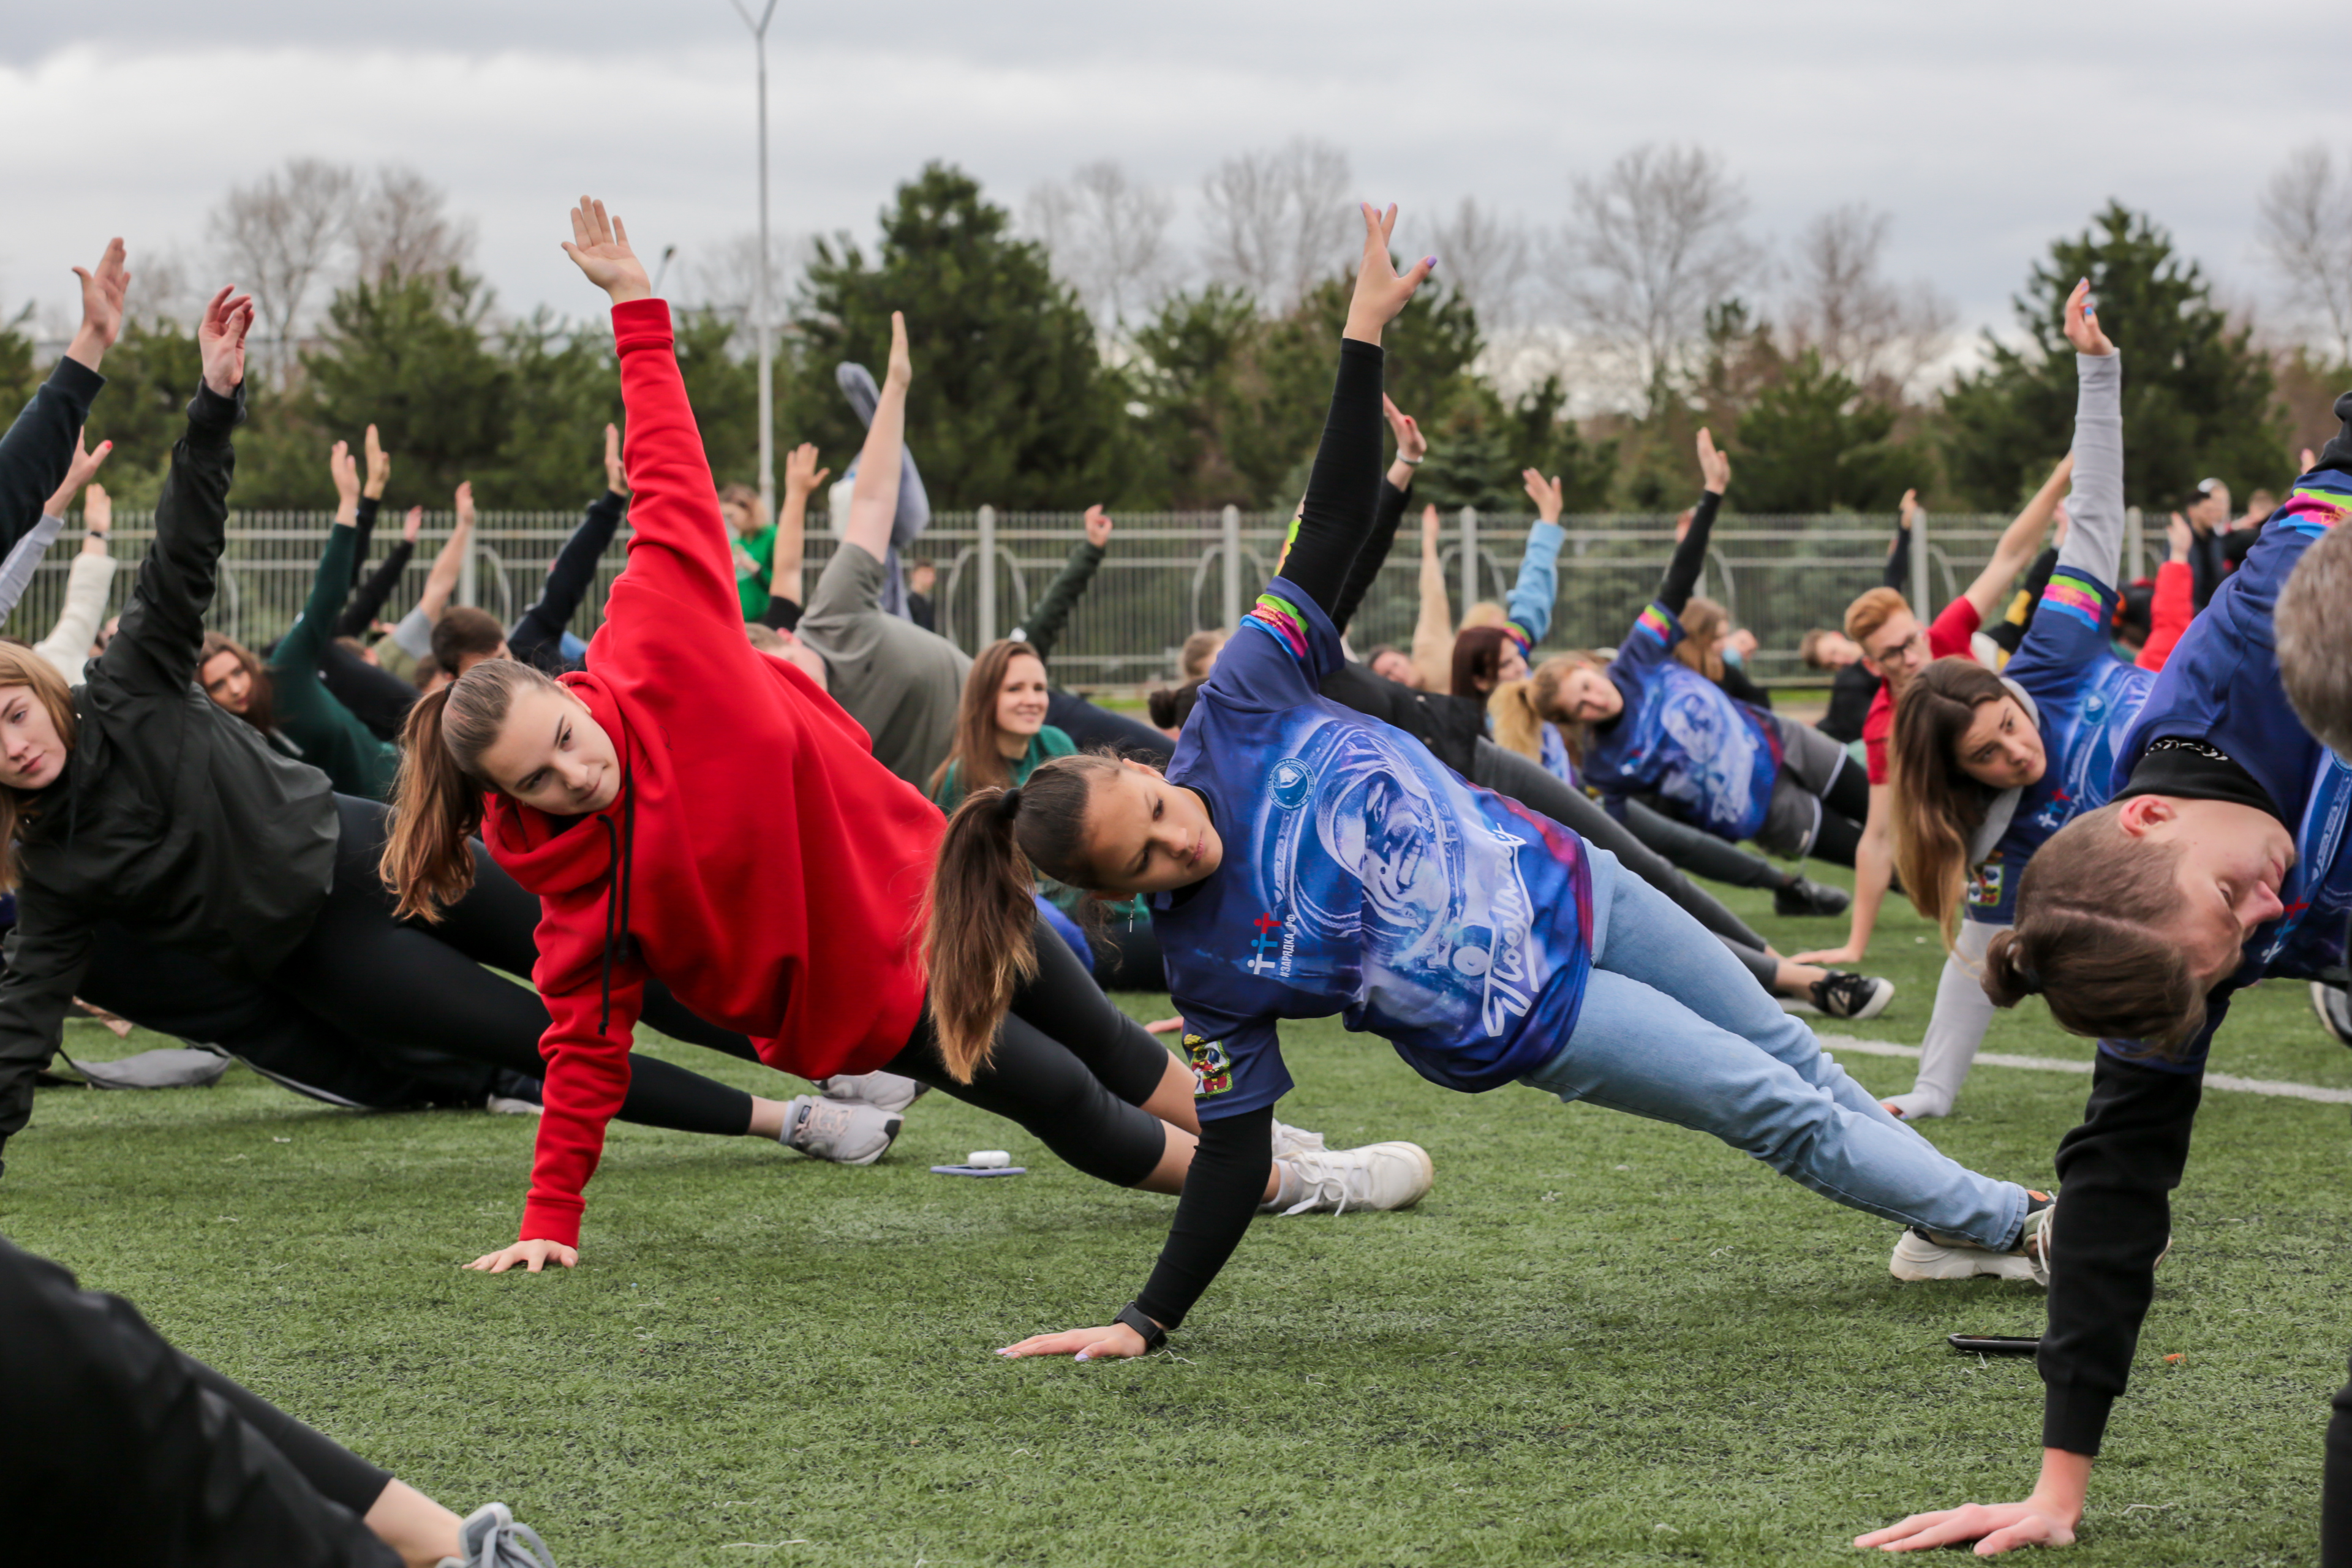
1985, 887
1212, 1071
1290, 783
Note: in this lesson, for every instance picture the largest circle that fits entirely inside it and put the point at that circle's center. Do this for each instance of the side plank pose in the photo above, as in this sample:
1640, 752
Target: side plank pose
641, 799
136, 802
1653, 725
2224, 859
1988, 767
1304, 860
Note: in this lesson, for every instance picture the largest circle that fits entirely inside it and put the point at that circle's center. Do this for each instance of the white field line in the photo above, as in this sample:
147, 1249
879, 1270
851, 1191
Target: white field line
1836, 1043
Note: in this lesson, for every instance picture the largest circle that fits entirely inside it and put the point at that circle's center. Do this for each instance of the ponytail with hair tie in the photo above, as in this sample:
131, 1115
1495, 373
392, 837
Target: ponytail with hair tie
1008, 804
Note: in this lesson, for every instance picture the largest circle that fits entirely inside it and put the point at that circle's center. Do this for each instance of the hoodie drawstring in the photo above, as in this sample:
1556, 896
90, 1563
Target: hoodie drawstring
619, 852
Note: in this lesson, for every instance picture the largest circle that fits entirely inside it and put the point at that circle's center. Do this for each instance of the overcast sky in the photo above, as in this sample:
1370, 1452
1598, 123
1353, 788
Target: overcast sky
1984, 129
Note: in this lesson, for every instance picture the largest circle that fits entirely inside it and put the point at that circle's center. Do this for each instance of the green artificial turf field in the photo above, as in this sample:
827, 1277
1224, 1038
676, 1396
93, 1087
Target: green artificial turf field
1598, 1340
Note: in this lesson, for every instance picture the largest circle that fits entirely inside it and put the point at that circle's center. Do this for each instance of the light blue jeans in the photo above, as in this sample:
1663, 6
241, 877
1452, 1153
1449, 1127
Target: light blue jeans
1674, 1030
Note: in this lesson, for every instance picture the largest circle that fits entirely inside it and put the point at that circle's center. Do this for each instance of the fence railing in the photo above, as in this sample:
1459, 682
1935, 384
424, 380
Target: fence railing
1166, 575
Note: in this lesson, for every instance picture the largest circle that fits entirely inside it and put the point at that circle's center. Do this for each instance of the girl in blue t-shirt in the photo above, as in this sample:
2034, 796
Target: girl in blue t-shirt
1304, 860
1988, 767
1654, 726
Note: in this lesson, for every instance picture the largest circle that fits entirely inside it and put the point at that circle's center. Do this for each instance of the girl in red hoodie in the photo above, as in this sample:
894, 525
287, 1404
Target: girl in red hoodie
641, 799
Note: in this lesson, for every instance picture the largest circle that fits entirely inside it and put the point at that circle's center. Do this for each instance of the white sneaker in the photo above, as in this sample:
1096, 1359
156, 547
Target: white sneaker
883, 1091
1922, 1254
1289, 1143
506, 1105
846, 1132
1376, 1177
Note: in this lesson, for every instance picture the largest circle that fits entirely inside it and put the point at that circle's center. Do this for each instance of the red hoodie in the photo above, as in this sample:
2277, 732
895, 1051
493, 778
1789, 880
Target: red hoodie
769, 870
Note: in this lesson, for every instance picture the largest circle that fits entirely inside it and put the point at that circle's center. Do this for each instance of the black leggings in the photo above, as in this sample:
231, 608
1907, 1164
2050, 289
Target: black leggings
1071, 1068
1128, 957
1700, 853
395, 984
121, 1449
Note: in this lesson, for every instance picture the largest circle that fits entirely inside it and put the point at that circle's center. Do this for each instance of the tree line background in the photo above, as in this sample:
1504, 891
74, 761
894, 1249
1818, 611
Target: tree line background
1073, 353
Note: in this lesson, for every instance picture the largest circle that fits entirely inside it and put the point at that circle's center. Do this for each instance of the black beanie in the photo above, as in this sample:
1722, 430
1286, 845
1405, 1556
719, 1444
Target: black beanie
2338, 452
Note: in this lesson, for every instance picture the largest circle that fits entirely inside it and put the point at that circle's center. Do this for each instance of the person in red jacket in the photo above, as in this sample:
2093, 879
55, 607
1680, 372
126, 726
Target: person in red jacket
689, 809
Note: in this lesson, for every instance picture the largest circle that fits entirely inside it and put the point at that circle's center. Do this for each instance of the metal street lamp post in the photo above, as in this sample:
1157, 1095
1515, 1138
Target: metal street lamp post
761, 310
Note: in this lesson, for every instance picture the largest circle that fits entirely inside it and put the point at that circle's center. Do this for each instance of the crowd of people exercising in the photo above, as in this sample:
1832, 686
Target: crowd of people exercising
792, 823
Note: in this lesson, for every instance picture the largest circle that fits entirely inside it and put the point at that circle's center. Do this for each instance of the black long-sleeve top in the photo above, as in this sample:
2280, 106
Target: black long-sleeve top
538, 637
1227, 1178
2116, 1176
1681, 579
1387, 513
1044, 629
1851, 691
1897, 575
368, 596
39, 447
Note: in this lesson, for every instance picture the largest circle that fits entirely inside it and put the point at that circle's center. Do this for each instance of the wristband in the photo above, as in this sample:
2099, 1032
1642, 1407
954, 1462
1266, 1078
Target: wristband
1135, 1318
1409, 462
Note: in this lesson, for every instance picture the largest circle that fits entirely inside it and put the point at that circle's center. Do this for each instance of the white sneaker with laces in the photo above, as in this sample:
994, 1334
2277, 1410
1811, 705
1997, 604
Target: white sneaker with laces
846, 1132
1376, 1177
883, 1091
1291, 1142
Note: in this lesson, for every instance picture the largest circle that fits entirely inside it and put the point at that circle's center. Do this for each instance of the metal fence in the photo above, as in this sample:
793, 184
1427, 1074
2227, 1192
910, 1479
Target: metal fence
1165, 577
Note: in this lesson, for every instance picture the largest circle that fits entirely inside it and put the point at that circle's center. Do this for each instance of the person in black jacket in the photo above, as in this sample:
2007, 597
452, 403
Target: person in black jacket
136, 799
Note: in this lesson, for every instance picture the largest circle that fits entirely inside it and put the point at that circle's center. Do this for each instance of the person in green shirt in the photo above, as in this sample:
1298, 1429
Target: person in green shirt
1001, 736
286, 700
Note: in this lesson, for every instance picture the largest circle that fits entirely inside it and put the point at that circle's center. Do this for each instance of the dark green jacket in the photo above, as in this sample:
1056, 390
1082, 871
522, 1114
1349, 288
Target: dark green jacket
174, 818
330, 737
1044, 629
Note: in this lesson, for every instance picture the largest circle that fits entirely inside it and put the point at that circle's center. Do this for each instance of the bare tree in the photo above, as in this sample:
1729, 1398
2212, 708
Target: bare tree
1488, 259
1109, 239
1656, 241
402, 227
280, 234
1278, 222
2304, 230
724, 279
1841, 306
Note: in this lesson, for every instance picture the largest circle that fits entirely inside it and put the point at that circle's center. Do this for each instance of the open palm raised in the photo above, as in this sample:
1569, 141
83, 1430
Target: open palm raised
600, 247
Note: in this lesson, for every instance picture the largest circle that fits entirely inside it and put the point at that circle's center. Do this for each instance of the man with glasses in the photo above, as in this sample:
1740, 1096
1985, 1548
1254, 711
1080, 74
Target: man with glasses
1895, 648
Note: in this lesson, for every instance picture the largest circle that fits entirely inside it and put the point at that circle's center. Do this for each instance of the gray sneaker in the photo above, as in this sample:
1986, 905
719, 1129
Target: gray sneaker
883, 1091
846, 1132
491, 1539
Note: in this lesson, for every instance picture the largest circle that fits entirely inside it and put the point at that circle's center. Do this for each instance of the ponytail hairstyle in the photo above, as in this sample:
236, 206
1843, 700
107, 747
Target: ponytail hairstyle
1543, 695
978, 763
1478, 660
20, 665
1170, 706
437, 796
980, 925
260, 711
2093, 913
1938, 807
1705, 626
1517, 726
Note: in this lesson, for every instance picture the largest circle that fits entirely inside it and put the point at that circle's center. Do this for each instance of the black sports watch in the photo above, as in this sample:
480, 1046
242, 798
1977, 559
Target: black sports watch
1135, 1318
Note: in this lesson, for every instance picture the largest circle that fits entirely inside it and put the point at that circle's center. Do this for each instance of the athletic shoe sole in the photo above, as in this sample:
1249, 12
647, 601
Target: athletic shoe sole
1917, 1258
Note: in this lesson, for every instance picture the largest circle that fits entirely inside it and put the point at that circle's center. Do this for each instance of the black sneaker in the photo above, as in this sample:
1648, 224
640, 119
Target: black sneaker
1803, 896
2333, 1006
1844, 996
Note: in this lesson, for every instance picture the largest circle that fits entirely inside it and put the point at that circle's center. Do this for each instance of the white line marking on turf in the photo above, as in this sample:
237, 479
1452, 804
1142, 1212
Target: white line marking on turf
1836, 1043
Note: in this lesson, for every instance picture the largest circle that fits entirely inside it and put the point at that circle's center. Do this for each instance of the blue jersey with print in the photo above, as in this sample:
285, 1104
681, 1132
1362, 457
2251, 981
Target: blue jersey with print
2221, 687
1360, 877
1681, 737
2087, 700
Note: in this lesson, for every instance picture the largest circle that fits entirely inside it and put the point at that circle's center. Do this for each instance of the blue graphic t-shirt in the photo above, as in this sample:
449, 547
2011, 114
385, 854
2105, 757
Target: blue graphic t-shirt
2221, 687
1681, 737
2087, 700
1360, 877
